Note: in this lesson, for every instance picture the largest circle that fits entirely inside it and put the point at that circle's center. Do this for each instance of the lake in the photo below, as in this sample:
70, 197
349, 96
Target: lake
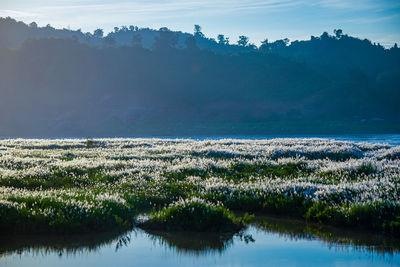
268, 242
391, 139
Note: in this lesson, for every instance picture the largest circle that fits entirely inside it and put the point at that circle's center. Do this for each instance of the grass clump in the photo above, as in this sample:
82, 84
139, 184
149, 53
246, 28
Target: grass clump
242, 171
66, 211
90, 143
195, 215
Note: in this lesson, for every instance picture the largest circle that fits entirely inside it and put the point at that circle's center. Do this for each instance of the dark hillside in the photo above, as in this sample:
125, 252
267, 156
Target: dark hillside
53, 84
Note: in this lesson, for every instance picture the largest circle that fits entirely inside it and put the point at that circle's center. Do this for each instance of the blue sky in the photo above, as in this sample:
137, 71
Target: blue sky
376, 20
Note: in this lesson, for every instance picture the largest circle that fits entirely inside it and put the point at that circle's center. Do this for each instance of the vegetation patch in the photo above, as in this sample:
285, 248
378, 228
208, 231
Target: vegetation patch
64, 214
81, 185
194, 215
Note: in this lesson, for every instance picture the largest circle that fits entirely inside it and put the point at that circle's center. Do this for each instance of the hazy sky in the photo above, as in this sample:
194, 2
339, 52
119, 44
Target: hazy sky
377, 20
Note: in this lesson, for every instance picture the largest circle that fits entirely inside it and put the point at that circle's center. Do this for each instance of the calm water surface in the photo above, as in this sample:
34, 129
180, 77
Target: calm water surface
269, 242
391, 139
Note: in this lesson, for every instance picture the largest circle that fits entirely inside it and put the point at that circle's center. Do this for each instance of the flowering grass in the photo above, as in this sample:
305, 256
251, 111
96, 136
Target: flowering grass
69, 185
194, 215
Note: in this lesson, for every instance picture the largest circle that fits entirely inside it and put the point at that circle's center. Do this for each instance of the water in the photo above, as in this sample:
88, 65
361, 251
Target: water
391, 139
269, 242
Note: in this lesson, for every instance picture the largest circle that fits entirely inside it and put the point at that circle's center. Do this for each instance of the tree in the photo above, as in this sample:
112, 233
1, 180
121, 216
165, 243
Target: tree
264, 47
136, 40
98, 33
197, 31
338, 33
265, 42
88, 36
116, 29
226, 40
222, 40
191, 43
166, 39
286, 41
164, 29
33, 25
324, 36
252, 46
278, 44
243, 40
109, 41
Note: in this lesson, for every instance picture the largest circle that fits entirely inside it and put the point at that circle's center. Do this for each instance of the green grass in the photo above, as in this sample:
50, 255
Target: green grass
194, 216
49, 215
243, 171
93, 185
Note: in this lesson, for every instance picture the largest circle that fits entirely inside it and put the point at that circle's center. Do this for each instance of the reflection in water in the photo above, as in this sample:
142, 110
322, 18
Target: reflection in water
334, 237
267, 239
198, 244
44, 244
192, 242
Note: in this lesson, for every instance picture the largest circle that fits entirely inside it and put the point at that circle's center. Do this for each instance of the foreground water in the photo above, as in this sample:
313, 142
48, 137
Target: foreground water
268, 242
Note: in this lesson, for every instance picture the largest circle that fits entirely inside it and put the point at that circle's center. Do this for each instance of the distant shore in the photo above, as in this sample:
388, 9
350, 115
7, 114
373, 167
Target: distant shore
278, 128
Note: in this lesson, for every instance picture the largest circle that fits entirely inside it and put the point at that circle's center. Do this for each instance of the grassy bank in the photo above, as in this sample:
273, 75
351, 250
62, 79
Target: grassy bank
91, 185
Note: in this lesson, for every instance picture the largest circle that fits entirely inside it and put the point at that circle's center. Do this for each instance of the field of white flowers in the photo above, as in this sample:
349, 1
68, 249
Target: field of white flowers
81, 185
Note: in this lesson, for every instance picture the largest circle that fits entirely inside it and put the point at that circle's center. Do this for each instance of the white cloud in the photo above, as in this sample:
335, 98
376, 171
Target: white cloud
358, 4
153, 8
367, 20
91, 14
17, 14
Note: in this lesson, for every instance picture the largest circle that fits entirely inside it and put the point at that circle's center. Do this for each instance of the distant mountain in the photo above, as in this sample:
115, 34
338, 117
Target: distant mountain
158, 82
15, 33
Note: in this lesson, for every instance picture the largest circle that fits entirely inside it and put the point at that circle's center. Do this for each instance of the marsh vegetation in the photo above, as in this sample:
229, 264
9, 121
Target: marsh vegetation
75, 185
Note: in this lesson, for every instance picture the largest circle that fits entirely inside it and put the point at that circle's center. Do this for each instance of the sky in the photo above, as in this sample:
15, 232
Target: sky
376, 20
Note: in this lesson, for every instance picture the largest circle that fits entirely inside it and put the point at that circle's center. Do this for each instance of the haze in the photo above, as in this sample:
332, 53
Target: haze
259, 19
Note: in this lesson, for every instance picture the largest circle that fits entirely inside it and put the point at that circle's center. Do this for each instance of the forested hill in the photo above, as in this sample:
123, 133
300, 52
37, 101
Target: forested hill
157, 82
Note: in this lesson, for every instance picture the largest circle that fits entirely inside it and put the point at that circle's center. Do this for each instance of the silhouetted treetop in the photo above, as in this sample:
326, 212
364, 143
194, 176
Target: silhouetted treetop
197, 31
98, 33
243, 40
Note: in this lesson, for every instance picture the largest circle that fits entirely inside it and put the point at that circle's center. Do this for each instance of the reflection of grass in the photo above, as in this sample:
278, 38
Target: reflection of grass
361, 239
70, 244
199, 243
193, 242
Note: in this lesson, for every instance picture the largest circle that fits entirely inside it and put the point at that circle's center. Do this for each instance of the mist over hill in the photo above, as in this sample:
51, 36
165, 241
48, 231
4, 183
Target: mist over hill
137, 81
